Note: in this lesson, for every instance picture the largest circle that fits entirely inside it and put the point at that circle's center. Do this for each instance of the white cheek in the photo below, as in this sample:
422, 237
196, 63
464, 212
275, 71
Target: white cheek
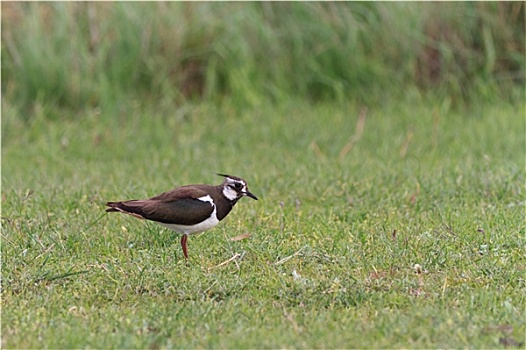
229, 193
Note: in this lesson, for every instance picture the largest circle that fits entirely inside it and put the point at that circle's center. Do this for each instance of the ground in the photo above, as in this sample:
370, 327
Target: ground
398, 226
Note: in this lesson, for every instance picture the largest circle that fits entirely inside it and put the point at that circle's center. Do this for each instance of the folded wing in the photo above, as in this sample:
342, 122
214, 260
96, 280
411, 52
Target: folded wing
181, 206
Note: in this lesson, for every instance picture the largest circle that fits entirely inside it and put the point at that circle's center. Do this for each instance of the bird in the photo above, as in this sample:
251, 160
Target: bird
188, 209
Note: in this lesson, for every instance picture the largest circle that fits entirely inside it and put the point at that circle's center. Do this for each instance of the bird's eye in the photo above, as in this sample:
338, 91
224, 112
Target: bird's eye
237, 186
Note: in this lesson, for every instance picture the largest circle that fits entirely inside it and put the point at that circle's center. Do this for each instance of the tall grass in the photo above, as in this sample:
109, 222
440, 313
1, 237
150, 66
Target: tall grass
74, 54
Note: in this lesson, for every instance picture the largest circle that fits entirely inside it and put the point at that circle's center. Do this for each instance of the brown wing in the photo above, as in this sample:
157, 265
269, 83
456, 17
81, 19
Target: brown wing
191, 191
179, 206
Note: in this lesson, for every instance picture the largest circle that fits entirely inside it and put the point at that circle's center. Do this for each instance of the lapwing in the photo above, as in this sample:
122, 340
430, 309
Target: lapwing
188, 209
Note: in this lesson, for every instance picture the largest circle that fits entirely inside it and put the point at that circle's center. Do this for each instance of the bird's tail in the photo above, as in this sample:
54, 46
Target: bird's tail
114, 206
122, 207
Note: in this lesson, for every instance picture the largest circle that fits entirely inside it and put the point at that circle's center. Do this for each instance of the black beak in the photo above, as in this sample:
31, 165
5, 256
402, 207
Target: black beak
247, 193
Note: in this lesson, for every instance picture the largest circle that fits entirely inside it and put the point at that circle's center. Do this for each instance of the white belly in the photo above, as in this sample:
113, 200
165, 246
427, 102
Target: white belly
200, 227
189, 230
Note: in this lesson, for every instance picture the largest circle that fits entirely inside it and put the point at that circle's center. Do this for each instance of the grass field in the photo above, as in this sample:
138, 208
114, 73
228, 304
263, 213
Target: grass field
385, 141
400, 225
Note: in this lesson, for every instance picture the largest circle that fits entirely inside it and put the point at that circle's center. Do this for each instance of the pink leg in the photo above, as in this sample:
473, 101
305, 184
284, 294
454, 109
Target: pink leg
185, 247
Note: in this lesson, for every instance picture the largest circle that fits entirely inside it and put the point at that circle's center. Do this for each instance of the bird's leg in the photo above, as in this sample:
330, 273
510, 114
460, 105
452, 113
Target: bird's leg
184, 245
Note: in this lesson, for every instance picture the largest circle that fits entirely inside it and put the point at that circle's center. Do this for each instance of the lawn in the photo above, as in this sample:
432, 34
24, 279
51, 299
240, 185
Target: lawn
398, 225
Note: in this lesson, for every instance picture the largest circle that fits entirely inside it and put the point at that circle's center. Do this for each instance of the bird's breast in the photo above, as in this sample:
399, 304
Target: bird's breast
199, 227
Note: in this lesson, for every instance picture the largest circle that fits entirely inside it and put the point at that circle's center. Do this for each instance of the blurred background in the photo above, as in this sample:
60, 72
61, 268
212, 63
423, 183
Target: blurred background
69, 56
378, 136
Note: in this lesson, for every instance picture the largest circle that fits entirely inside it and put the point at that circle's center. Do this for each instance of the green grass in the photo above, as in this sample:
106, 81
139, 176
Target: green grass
341, 222
93, 54
384, 140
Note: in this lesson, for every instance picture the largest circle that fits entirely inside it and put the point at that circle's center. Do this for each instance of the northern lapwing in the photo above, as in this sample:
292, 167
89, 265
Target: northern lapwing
188, 209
